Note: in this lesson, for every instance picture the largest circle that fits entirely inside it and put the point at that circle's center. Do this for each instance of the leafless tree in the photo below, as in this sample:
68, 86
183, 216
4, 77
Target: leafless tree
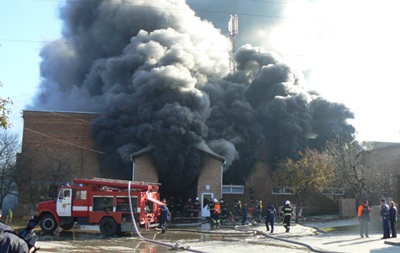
38, 185
354, 172
8, 151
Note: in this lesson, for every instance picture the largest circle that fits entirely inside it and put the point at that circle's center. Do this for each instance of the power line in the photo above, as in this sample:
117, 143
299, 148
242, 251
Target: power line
182, 48
129, 5
62, 141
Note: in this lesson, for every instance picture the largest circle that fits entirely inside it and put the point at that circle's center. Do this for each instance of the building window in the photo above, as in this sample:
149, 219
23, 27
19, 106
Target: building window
232, 189
334, 191
283, 191
81, 194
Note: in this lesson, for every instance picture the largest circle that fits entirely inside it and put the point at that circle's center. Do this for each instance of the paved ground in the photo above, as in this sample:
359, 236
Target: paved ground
224, 240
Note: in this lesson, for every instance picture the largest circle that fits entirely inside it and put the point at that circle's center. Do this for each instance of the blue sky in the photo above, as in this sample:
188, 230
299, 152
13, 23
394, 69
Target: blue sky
354, 58
25, 26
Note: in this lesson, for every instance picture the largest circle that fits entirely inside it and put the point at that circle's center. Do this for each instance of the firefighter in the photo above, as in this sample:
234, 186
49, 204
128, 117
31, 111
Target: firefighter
244, 213
257, 211
224, 210
210, 207
171, 204
217, 213
178, 206
238, 208
196, 207
188, 208
286, 214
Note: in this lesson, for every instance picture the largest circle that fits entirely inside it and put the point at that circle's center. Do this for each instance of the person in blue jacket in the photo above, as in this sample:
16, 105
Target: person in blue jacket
244, 213
385, 219
165, 216
393, 218
270, 217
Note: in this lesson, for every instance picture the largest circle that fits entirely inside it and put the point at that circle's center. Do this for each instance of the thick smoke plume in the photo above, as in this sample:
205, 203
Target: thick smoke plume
158, 76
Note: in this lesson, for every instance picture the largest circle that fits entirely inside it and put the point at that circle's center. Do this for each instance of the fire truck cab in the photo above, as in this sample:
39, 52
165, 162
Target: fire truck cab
103, 202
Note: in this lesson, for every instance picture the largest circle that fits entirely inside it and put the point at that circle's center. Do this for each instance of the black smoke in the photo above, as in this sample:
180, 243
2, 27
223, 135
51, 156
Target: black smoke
158, 76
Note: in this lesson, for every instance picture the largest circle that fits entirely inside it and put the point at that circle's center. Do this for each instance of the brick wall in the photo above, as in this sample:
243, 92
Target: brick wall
260, 180
210, 178
56, 147
145, 169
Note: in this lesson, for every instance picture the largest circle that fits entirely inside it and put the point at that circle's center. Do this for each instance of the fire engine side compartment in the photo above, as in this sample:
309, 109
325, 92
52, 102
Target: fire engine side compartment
113, 204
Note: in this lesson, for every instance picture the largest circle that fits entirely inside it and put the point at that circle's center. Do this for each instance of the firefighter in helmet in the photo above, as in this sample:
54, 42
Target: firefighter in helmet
287, 213
224, 210
217, 213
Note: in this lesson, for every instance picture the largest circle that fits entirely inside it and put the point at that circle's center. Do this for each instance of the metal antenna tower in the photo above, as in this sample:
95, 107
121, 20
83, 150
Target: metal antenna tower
233, 26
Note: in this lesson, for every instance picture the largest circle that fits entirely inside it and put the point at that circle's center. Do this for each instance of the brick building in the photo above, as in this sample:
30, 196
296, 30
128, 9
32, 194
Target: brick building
56, 147
59, 146
209, 182
386, 157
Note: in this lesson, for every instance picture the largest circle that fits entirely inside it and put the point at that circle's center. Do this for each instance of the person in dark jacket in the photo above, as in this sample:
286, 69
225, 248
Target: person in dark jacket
196, 207
393, 218
211, 209
164, 217
385, 219
287, 213
364, 218
237, 209
224, 211
10, 242
270, 217
244, 213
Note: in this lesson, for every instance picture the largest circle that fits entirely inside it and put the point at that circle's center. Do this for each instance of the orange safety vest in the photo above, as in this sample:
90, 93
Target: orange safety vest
217, 208
360, 209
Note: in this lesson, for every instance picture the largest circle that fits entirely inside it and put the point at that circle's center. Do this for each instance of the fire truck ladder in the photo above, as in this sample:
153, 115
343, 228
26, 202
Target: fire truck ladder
121, 184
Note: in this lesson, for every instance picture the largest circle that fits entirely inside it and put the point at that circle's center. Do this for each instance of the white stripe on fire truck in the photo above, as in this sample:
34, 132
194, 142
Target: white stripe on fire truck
79, 208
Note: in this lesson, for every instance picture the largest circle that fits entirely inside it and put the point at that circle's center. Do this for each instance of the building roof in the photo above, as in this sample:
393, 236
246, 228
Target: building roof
202, 146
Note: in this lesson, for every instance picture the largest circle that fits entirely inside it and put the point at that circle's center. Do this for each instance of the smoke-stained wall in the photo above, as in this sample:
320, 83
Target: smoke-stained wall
158, 75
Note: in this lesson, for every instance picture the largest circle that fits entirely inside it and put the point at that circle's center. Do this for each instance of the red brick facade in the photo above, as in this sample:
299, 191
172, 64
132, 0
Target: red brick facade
56, 147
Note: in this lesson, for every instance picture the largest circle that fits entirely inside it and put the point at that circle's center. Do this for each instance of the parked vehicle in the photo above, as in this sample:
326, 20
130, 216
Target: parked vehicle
103, 202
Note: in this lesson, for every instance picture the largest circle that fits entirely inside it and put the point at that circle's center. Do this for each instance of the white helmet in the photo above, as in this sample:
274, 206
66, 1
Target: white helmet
287, 202
215, 200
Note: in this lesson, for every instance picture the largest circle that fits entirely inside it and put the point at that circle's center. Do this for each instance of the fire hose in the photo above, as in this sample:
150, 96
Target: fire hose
175, 246
242, 228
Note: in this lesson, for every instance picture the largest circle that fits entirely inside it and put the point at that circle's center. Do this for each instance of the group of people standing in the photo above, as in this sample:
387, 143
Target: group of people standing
286, 214
218, 211
388, 215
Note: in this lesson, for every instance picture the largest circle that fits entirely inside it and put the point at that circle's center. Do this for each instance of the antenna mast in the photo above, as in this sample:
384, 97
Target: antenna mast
233, 26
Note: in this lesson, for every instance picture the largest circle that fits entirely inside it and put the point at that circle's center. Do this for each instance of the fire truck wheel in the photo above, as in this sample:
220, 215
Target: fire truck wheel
108, 226
48, 223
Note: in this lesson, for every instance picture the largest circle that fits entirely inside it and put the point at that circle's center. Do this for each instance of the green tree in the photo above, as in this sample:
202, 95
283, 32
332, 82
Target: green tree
311, 173
4, 111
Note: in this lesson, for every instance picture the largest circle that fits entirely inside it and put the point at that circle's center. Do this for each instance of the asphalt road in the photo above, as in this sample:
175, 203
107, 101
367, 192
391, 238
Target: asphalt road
224, 240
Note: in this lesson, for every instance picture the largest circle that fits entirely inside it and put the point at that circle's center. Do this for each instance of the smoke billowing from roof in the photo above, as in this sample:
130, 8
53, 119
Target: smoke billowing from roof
158, 75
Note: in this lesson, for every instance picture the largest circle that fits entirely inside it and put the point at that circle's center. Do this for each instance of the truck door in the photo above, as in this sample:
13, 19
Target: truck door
64, 201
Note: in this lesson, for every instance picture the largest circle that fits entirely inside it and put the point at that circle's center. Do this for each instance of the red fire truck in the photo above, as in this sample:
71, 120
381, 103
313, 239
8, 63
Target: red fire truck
103, 202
